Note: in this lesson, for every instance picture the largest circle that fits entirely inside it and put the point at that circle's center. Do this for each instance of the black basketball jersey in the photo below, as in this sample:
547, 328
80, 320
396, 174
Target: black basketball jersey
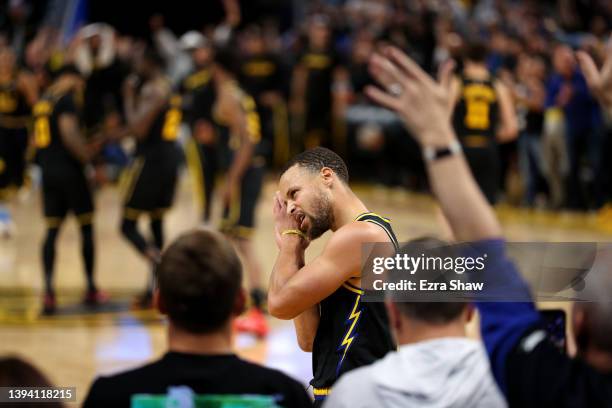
260, 73
351, 333
51, 153
475, 116
165, 128
14, 108
198, 96
229, 139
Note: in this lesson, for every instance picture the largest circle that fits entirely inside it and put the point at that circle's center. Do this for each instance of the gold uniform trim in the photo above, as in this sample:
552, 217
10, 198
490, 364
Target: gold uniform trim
321, 391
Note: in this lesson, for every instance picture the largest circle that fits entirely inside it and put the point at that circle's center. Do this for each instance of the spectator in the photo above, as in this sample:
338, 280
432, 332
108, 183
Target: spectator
17, 373
529, 94
436, 365
199, 290
568, 91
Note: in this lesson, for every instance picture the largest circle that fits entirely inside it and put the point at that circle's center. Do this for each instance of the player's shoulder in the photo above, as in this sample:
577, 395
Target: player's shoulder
359, 232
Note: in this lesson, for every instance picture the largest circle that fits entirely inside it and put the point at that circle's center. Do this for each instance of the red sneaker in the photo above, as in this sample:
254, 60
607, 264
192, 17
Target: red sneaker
49, 304
253, 322
95, 297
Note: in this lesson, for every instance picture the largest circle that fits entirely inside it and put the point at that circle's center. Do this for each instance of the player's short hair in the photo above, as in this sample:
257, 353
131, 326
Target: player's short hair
437, 313
475, 51
199, 278
316, 158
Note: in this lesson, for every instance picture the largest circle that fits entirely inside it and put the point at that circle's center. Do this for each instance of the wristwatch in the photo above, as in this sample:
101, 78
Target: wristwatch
431, 153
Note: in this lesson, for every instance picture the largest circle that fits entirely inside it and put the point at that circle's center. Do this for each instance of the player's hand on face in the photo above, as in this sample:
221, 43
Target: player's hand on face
421, 102
284, 221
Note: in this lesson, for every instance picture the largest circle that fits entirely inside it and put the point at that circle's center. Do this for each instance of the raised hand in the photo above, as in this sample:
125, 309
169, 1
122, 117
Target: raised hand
421, 102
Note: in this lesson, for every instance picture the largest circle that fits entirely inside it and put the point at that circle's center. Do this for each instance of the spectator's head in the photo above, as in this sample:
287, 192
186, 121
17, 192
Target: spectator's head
7, 59
253, 40
417, 321
592, 321
310, 183
564, 61
363, 47
475, 52
319, 33
149, 63
198, 47
15, 372
199, 282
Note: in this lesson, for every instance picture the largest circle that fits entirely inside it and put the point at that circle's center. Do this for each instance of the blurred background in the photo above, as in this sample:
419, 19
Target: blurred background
305, 64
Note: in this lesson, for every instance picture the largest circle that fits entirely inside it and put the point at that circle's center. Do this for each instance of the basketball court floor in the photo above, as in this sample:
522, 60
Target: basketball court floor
78, 344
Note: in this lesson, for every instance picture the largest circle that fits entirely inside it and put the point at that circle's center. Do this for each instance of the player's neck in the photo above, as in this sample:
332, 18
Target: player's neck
181, 341
348, 207
415, 332
477, 71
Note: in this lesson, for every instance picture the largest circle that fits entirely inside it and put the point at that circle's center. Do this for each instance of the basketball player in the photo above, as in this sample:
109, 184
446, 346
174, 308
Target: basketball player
262, 76
62, 155
481, 104
198, 94
238, 128
317, 77
18, 93
153, 117
324, 297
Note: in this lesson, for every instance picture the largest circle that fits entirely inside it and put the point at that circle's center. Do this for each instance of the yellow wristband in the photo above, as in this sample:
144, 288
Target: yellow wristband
294, 232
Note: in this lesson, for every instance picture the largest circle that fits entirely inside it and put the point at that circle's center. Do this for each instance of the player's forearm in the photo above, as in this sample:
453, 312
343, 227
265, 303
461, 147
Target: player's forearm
463, 204
306, 325
282, 303
142, 120
241, 162
72, 138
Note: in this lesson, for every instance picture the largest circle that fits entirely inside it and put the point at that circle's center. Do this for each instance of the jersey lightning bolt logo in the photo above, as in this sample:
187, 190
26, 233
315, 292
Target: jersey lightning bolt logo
350, 335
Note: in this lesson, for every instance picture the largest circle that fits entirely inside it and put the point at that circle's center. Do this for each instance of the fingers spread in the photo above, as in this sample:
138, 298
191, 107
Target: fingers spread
408, 66
383, 98
385, 72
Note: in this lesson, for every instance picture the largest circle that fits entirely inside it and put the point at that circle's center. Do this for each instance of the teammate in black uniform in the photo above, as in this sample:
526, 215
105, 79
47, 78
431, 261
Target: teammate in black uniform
153, 117
198, 93
62, 155
324, 297
317, 72
262, 76
482, 103
18, 93
239, 132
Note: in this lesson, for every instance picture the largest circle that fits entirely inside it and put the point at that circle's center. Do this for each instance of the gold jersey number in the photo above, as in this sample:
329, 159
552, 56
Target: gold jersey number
477, 115
42, 132
172, 123
478, 100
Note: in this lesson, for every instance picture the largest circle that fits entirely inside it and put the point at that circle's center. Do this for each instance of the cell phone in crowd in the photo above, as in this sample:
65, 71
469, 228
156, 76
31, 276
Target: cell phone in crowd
555, 323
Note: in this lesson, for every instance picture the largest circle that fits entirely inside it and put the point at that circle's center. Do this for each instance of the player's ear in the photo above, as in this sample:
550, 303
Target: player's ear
158, 302
327, 175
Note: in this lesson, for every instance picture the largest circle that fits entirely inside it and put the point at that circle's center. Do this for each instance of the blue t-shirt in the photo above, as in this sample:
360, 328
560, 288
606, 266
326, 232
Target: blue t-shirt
581, 112
502, 323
